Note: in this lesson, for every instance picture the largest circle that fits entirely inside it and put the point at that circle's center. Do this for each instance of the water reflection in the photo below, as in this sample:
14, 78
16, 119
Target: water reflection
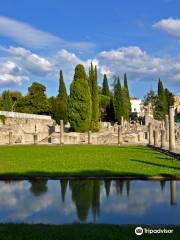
108, 201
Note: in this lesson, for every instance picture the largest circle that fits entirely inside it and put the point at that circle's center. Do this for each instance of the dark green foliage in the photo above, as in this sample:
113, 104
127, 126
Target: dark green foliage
80, 106
58, 109
61, 104
161, 104
110, 111
93, 84
150, 97
118, 100
62, 87
105, 88
169, 97
104, 105
7, 102
126, 96
36, 101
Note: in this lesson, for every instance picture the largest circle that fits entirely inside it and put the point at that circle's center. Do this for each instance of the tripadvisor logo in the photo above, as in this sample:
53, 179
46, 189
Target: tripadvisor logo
139, 231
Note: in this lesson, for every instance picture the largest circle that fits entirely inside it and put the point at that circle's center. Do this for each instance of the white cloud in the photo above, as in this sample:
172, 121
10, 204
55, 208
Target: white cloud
138, 64
169, 25
20, 64
11, 73
30, 61
29, 36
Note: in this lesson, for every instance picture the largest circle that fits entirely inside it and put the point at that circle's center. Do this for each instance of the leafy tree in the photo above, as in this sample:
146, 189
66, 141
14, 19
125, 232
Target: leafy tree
57, 109
16, 98
36, 101
80, 106
93, 83
150, 97
105, 88
7, 101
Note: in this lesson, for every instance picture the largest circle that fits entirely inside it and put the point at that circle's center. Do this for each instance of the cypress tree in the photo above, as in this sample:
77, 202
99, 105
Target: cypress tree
169, 98
62, 94
161, 105
127, 102
105, 88
80, 106
93, 83
63, 99
91, 77
118, 100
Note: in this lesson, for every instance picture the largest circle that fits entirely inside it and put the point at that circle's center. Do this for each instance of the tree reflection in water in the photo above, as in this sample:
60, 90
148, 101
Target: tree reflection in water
85, 194
38, 187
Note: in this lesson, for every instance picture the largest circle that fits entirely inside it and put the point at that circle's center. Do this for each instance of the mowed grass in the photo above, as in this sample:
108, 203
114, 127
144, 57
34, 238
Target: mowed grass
85, 160
80, 232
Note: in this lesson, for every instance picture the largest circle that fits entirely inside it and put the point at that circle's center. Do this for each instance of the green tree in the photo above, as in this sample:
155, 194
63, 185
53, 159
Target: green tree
127, 102
36, 101
105, 88
118, 100
57, 109
7, 101
150, 97
80, 106
169, 98
93, 83
161, 104
63, 97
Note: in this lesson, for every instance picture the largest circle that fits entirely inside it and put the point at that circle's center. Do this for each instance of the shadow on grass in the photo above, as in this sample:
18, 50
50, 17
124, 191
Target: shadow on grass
87, 174
155, 164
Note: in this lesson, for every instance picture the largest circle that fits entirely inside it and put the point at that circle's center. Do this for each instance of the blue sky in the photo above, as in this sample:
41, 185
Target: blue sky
142, 38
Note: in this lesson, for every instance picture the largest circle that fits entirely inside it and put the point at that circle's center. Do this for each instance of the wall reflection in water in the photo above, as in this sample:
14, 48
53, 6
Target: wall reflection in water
105, 201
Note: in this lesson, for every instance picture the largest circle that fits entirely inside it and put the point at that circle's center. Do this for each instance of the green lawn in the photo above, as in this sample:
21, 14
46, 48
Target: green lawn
79, 232
85, 161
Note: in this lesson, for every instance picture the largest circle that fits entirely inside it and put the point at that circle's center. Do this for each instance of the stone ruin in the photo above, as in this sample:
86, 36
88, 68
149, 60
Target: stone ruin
21, 128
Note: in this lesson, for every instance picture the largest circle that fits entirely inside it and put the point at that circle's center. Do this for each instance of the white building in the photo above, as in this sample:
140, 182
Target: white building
137, 105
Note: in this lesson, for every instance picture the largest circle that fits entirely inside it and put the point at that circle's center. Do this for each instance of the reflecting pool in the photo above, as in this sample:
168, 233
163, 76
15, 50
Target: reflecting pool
97, 201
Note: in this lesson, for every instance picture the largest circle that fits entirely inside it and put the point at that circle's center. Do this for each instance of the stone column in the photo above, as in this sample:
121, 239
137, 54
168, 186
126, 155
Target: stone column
119, 135
89, 137
139, 137
173, 192
151, 134
35, 136
61, 132
163, 138
167, 127
128, 126
10, 138
155, 138
171, 129
122, 121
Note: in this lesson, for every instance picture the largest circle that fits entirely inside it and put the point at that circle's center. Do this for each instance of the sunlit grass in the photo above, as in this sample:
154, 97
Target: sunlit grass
85, 160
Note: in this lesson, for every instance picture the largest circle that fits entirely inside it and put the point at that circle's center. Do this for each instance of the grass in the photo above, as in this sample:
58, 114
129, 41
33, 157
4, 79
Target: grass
79, 232
85, 160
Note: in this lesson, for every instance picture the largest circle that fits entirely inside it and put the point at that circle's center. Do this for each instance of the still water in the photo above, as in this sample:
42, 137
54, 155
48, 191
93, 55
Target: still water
116, 201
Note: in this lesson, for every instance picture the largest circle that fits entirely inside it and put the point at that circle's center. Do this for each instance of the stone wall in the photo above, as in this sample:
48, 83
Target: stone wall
20, 128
